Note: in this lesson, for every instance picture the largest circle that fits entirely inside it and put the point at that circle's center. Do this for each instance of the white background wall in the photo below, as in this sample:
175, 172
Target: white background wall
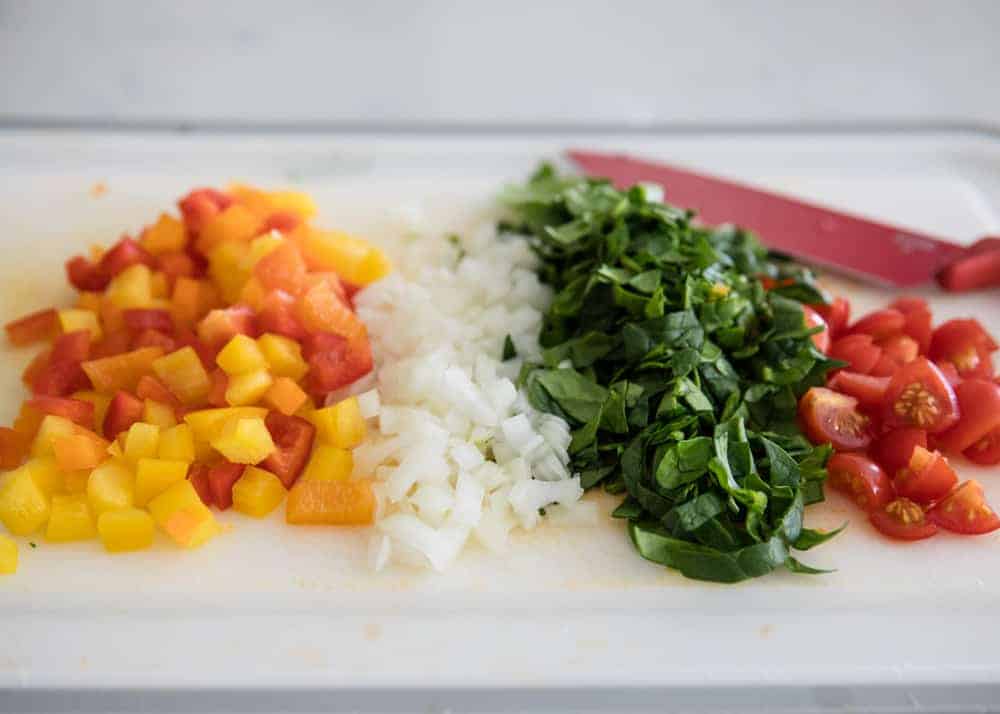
631, 61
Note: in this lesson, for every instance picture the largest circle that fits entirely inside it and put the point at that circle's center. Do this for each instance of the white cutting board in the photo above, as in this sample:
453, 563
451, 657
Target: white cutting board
266, 605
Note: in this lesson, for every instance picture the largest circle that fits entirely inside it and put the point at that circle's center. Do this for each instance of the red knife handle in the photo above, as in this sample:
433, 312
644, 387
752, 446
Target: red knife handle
977, 268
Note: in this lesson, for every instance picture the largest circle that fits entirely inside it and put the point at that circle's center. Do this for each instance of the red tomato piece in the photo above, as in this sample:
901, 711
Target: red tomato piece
902, 349
861, 479
986, 451
837, 314
76, 410
908, 304
200, 205
830, 417
124, 410
198, 476
277, 315
37, 326
293, 437
145, 319
902, 519
965, 511
920, 396
965, 344
813, 319
880, 324
979, 405
885, 367
894, 448
221, 478
868, 390
859, 351
950, 373
926, 478
124, 254
221, 325
13, 448
85, 275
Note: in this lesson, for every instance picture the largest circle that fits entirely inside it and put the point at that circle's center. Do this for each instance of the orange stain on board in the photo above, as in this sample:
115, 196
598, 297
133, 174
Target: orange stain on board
98, 189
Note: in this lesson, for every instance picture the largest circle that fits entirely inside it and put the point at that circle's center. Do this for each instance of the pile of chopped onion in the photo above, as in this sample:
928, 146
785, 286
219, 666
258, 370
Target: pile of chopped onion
459, 454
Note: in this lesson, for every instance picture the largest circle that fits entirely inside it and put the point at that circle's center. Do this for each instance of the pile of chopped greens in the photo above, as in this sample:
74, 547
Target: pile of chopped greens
678, 372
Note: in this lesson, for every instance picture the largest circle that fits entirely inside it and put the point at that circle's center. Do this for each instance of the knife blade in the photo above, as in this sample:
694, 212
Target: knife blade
866, 249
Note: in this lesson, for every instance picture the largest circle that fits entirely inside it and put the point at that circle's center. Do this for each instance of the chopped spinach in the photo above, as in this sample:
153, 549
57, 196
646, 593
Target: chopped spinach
678, 373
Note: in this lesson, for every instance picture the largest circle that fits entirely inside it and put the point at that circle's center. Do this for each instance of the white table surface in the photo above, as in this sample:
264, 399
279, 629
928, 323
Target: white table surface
637, 63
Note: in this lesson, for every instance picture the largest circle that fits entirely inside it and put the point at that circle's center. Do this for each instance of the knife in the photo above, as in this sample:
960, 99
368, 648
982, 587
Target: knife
869, 250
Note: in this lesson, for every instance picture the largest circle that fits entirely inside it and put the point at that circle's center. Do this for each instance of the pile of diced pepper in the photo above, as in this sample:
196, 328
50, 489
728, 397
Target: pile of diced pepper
198, 370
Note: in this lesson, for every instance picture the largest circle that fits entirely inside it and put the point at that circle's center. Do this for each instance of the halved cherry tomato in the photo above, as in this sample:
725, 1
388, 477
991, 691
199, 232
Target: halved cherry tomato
859, 351
920, 396
868, 390
902, 349
908, 304
965, 511
879, 324
979, 405
926, 478
814, 319
986, 451
830, 417
949, 372
893, 449
837, 314
902, 519
861, 479
965, 344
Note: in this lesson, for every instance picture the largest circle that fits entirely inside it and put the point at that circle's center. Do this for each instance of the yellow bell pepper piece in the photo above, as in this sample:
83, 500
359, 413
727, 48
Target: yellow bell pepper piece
283, 355
177, 444
70, 519
77, 319
235, 224
51, 428
8, 555
340, 425
158, 413
133, 287
328, 463
111, 486
125, 530
249, 388
257, 492
141, 442
244, 441
285, 396
184, 375
241, 355
24, 504
264, 203
206, 423
154, 476
167, 235
182, 516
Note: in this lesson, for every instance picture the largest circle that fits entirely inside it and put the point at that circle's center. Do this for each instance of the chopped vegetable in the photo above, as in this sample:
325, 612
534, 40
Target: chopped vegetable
680, 374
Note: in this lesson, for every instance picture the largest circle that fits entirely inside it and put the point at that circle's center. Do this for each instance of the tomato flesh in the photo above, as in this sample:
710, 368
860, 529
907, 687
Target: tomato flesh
920, 396
859, 351
814, 319
868, 390
926, 478
830, 417
965, 511
880, 324
979, 404
902, 519
986, 451
860, 479
836, 314
901, 349
965, 344
893, 449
